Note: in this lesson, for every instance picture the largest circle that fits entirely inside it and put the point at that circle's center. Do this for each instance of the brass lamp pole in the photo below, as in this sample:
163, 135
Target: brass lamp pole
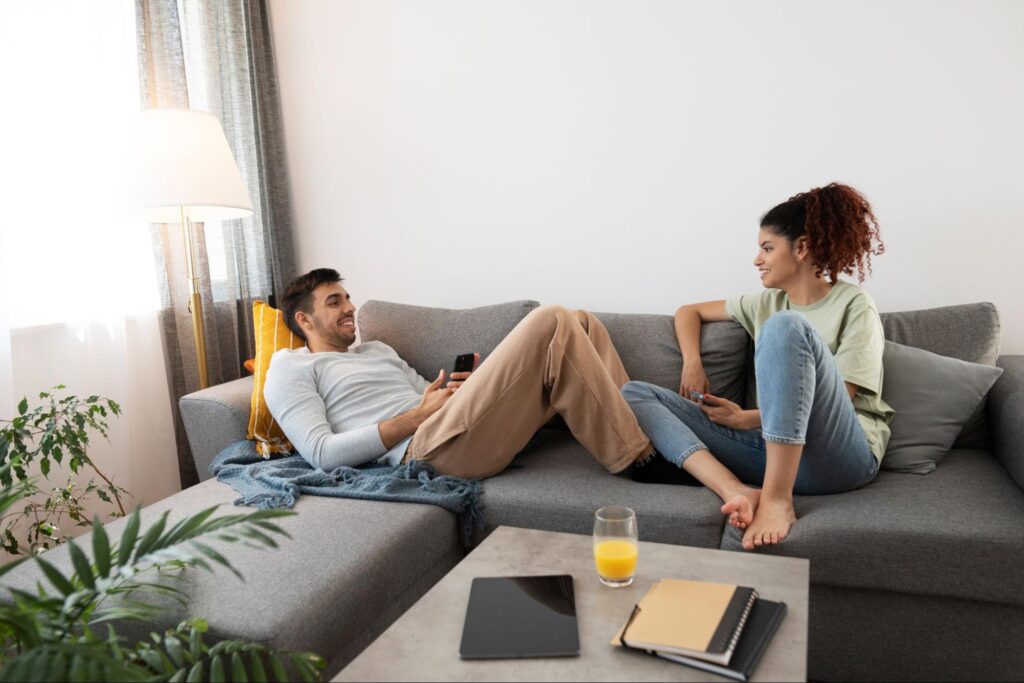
195, 302
179, 167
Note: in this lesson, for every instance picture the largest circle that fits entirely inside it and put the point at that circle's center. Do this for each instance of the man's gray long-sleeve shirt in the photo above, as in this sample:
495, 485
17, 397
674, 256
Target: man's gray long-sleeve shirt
329, 404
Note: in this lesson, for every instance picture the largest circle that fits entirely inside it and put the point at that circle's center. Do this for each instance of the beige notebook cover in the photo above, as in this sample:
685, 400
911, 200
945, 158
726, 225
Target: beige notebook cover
679, 616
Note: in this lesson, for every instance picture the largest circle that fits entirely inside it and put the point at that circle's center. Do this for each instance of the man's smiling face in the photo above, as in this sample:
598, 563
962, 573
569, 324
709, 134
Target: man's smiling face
332, 324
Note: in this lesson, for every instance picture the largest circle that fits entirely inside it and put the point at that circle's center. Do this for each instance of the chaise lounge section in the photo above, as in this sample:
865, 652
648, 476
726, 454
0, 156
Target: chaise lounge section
912, 577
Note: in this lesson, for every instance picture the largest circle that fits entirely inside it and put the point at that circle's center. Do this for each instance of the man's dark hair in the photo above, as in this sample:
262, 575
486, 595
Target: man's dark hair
299, 295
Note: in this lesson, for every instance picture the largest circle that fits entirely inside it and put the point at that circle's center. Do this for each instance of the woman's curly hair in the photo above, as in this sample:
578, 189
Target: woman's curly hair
841, 229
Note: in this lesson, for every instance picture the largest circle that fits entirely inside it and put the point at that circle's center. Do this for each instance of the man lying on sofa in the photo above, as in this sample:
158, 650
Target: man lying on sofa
341, 404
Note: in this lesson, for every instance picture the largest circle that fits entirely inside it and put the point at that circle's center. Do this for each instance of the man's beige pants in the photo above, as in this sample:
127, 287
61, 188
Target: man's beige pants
554, 361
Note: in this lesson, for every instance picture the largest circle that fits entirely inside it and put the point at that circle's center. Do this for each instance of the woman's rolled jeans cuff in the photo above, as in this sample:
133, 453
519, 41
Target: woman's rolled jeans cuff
785, 440
685, 455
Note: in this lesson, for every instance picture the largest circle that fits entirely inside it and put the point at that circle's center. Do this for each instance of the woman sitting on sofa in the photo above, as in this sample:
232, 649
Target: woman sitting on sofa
822, 426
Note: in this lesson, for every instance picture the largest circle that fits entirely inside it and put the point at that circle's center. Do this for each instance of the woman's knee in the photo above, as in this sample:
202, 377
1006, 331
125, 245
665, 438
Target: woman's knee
635, 390
783, 327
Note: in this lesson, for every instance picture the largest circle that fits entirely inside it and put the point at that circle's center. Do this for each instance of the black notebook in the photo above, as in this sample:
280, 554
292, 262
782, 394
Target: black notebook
762, 623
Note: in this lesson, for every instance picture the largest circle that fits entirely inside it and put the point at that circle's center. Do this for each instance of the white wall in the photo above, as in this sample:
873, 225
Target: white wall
617, 155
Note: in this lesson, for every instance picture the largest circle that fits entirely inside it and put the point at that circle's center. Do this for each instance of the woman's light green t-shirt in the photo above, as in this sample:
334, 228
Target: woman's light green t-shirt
848, 322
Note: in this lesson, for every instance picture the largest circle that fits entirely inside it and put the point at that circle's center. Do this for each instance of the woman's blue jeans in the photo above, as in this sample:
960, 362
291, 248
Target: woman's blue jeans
803, 400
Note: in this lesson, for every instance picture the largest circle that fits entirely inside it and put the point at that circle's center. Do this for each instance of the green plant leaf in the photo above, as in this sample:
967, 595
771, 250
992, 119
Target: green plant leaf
23, 406
277, 668
238, 672
82, 567
154, 659
151, 536
100, 548
217, 670
57, 666
259, 674
186, 527
55, 577
174, 650
128, 536
303, 667
69, 662
195, 674
195, 644
216, 557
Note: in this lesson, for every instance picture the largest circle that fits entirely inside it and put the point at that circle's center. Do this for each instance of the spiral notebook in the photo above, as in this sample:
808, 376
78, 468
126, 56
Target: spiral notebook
694, 619
761, 625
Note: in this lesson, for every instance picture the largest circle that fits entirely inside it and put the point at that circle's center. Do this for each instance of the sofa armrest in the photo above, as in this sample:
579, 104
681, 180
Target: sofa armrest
215, 418
1006, 416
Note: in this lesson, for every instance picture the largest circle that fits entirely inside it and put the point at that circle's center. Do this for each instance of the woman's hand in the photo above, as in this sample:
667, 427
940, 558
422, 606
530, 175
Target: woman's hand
724, 412
694, 379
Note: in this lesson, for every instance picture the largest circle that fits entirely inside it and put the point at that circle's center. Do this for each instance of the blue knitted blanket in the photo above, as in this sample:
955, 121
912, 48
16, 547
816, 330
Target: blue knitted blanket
279, 482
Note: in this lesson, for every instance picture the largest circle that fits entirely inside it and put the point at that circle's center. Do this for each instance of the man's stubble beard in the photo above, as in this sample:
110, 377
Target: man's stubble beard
334, 336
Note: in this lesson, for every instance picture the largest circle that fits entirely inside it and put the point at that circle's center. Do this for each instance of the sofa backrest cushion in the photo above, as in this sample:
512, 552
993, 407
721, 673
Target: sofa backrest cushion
428, 339
650, 352
969, 332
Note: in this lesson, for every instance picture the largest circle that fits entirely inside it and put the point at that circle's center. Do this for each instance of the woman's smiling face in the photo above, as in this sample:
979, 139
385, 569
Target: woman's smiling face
777, 259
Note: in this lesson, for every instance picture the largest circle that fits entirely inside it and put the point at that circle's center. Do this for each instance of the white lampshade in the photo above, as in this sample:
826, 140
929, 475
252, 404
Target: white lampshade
180, 158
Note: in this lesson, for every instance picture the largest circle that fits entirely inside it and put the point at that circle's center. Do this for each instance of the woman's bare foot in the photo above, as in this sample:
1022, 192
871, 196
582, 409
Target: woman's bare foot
741, 506
771, 524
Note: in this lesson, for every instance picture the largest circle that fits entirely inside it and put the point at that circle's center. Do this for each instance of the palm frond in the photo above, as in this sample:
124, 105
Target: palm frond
47, 635
70, 662
182, 654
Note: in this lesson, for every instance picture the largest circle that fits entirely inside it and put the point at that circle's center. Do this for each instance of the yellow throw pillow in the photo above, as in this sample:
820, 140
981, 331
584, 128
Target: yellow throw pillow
271, 335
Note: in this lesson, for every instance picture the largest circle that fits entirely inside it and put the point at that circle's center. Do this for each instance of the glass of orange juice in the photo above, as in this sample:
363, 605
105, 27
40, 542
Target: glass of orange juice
615, 545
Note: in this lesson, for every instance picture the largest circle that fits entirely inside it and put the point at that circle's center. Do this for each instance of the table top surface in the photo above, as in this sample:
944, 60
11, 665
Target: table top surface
423, 645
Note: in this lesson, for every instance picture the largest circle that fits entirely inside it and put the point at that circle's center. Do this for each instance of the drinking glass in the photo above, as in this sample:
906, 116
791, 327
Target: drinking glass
615, 545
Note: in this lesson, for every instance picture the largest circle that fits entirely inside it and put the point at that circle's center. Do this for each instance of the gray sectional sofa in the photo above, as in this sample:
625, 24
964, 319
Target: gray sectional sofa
912, 577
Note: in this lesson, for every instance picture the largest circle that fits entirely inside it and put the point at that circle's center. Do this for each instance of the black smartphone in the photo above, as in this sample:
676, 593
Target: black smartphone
464, 362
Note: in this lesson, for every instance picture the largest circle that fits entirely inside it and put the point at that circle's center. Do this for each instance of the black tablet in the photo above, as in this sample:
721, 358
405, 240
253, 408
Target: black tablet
520, 616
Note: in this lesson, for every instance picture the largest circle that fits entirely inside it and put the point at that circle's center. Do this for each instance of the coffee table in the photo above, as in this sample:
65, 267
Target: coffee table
423, 645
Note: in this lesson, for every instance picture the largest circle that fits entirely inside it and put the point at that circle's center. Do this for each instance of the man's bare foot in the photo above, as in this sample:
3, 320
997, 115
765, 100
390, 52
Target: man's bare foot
771, 524
741, 506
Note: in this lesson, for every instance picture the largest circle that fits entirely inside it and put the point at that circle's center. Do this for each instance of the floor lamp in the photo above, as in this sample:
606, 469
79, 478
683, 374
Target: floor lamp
179, 169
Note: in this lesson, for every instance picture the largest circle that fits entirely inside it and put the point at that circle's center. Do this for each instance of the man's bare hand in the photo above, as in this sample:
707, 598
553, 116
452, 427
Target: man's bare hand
434, 397
459, 378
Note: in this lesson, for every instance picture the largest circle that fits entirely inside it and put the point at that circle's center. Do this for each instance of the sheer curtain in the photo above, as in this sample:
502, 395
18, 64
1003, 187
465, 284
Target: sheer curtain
79, 302
6, 379
217, 57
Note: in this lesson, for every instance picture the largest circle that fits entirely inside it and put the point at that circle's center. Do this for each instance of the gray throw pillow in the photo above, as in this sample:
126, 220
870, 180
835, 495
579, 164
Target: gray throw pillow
933, 397
970, 332
428, 339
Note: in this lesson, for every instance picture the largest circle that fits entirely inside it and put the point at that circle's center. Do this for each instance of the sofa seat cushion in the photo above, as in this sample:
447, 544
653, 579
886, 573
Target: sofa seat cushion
954, 533
350, 568
555, 485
